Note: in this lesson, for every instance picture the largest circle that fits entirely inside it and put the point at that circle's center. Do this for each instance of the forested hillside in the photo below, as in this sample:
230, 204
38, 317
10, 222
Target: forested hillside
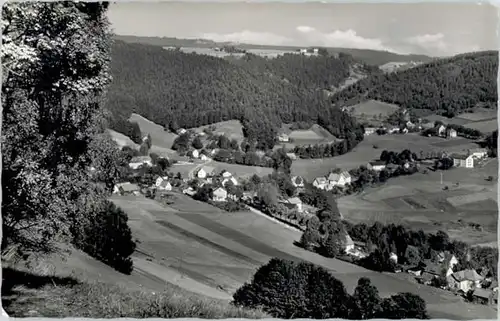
446, 86
176, 89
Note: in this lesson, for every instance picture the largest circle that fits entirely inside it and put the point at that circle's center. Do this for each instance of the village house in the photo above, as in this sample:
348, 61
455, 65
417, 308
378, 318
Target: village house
465, 280
205, 172
126, 189
409, 124
293, 203
189, 191
297, 181
441, 130
349, 244
370, 130
230, 179
195, 153
160, 179
139, 161
393, 257
165, 186
226, 174
283, 137
181, 131
203, 157
378, 165
451, 133
292, 156
461, 160
320, 182
219, 195
447, 258
393, 130
478, 152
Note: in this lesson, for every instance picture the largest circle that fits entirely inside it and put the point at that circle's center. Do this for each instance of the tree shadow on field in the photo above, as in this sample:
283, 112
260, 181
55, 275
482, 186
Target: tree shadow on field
13, 280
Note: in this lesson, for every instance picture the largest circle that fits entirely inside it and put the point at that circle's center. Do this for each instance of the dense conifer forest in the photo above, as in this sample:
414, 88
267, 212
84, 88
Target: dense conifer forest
176, 89
446, 86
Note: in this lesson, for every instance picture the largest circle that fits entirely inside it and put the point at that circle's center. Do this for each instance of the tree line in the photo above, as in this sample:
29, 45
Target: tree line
288, 290
176, 89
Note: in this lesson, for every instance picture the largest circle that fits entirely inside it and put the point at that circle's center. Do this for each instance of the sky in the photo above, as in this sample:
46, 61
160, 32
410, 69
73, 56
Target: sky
435, 29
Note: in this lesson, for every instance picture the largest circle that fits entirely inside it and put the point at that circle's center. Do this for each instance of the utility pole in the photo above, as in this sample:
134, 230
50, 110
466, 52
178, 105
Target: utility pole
441, 178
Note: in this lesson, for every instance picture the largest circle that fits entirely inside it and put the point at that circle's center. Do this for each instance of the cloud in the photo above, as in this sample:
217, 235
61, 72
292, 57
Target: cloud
340, 38
250, 37
429, 42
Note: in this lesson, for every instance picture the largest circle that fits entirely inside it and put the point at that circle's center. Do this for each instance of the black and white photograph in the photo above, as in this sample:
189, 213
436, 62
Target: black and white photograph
249, 159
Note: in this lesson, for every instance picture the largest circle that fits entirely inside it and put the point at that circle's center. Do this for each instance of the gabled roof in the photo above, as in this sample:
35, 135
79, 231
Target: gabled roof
482, 293
348, 240
220, 190
164, 183
334, 177
345, 174
459, 156
297, 179
207, 169
321, 180
377, 163
478, 150
467, 275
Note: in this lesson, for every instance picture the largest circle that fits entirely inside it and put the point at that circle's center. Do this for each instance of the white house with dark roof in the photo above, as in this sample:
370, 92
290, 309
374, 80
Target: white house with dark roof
320, 182
465, 280
165, 186
462, 160
230, 179
220, 195
205, 171
293, 203
160, 179
378, 165
126, 189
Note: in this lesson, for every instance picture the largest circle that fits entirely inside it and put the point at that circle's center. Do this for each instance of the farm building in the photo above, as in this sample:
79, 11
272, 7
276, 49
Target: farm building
126, 189
377, 165
293, 203
165, 186
465, 280
181, 131
226, 174
478, 152
447, 258
283, 137
339, 179
292, 156
220, 195
460, 160
139, 161
441, 130
160, 179
370, 130
320, 182
230, 179
205, 171
451, 133
297, 181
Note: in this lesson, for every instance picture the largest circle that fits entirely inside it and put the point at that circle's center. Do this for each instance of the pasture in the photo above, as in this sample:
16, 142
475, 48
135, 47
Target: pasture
230, 128
241, 171
479, 115
217, 250
372, 109
420, 201
365, 152
159, 136
486, 126
301, 137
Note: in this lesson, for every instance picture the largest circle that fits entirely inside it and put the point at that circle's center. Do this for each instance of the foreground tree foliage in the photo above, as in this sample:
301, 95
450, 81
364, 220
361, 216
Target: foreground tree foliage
177, 89
289, 290
446, 86
55, 59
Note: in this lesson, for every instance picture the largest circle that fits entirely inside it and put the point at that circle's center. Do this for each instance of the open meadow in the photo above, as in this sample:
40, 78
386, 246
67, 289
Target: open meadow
420, 201
302, 137
241, 171
372, 110
160, 137
218, 250
484, 120
231, 129
365, 152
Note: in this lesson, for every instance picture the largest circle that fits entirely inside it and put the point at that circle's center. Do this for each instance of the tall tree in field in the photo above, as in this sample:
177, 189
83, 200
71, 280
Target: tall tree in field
55, 58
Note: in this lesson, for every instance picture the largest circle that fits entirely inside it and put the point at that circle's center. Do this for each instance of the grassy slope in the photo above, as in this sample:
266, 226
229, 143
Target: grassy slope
225, 249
